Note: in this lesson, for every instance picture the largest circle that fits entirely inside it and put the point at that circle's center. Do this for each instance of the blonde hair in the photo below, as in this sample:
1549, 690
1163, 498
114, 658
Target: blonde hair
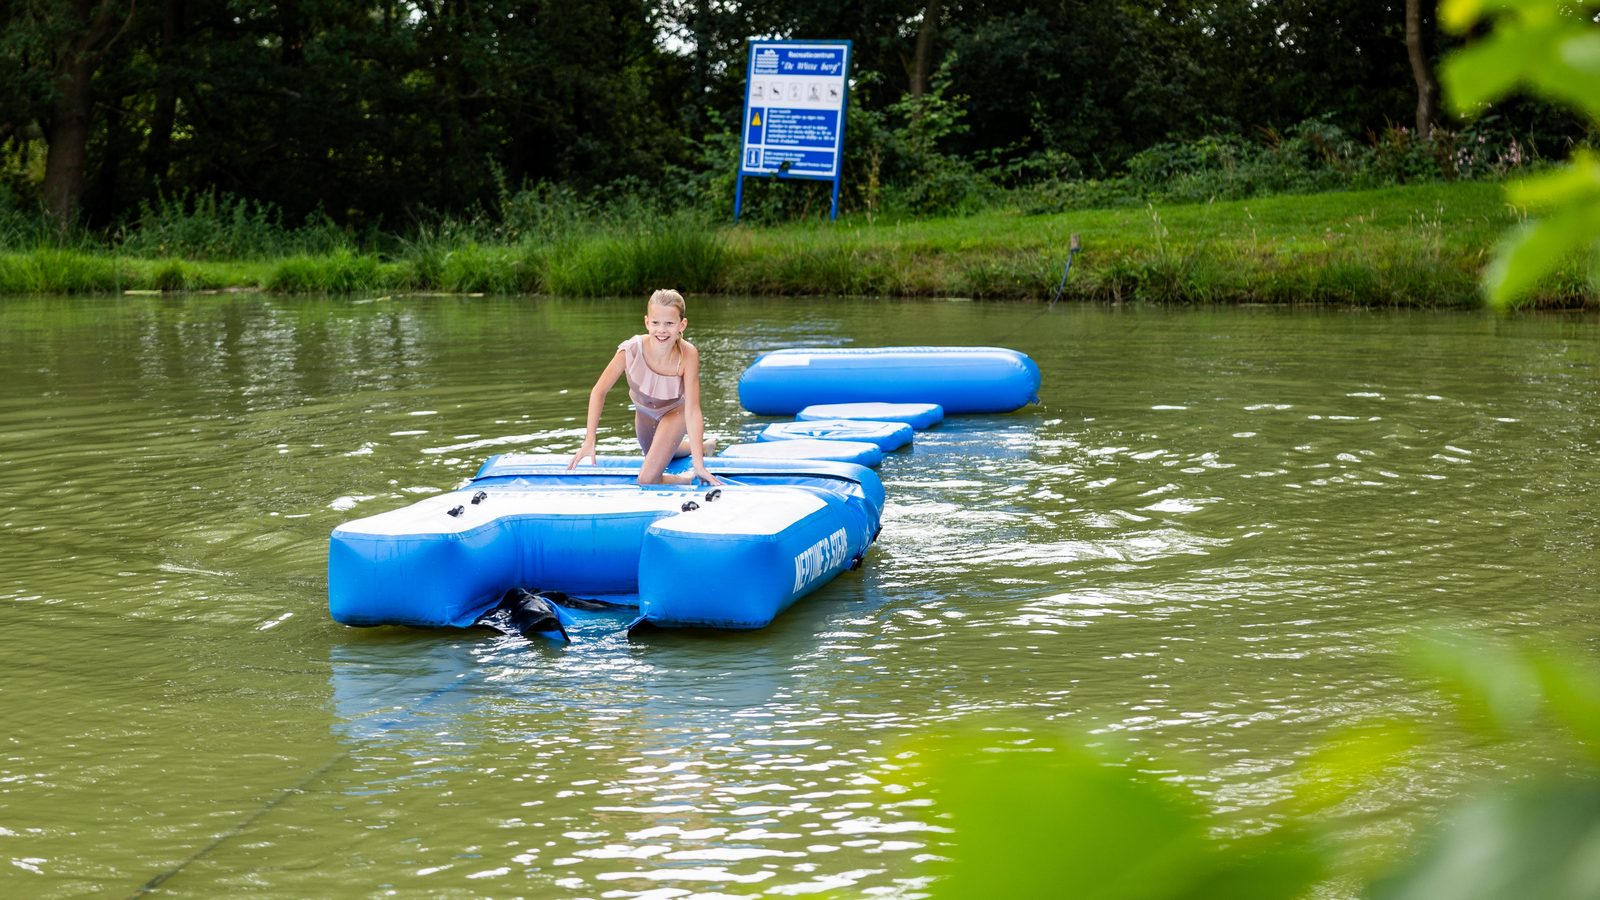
669, 297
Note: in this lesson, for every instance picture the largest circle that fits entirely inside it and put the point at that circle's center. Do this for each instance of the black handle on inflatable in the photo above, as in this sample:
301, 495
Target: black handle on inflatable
713, 494
689, 506
479, 497
456, 511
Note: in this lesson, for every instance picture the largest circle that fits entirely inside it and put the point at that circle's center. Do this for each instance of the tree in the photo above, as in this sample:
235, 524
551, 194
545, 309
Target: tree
51, 51
87, 31
1420, 71
922, 61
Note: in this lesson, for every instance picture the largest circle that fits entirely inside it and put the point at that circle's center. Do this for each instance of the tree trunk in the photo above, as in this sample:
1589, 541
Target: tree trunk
67, 132
923, 60
1426, 89
68, 137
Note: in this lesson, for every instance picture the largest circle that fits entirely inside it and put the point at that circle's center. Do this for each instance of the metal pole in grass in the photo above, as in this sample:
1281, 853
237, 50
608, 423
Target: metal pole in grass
1073, 246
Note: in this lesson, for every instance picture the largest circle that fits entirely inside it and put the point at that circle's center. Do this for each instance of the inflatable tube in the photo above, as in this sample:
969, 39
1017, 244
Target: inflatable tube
859, 452
889, 436
732, 557
960, 379
739, 562
918, 415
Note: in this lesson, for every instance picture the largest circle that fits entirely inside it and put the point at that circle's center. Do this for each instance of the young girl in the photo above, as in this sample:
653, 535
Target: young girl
663, 373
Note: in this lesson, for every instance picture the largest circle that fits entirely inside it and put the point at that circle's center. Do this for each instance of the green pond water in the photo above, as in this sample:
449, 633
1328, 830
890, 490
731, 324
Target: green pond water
1211, 538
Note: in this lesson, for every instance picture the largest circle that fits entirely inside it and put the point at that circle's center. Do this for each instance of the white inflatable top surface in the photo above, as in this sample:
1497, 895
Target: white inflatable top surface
750, 510
745, 511
431, 516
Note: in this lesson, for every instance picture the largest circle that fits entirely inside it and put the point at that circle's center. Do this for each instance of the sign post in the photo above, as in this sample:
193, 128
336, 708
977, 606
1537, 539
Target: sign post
794, 111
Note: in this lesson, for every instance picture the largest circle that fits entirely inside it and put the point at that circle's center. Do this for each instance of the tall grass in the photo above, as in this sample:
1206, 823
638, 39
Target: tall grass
210, 225
682, 253
52, 271
343, 271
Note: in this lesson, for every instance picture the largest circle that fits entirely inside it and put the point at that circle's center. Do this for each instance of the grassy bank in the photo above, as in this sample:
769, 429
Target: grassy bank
1411, 246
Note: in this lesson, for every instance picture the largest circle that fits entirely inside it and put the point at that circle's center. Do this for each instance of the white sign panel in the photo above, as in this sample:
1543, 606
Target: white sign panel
794, 108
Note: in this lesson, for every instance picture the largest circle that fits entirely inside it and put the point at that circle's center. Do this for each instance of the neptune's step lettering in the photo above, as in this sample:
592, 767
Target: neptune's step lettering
820, 558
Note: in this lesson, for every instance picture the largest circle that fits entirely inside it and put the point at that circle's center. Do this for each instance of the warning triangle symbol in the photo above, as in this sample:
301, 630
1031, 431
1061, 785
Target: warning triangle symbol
755, 120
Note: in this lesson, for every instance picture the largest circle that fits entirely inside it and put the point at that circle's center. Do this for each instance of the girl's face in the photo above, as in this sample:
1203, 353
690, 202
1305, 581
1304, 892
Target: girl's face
664, 323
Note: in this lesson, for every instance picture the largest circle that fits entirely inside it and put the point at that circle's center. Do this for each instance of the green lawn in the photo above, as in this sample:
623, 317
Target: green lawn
1423, 245
1420, 245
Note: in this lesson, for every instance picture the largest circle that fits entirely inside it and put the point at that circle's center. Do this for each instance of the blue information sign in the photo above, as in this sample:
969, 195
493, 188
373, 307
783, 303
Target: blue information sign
794, 112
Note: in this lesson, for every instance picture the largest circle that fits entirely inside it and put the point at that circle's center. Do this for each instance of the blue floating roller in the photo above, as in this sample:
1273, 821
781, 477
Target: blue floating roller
887, 435
917, 415
859, 452
960, 379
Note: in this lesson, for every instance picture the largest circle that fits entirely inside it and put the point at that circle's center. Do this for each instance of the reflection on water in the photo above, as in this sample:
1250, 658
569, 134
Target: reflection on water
1210, 540
632, 765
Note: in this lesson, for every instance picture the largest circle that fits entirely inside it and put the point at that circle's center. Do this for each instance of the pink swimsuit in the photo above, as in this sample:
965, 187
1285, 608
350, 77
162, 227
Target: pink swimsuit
653, 394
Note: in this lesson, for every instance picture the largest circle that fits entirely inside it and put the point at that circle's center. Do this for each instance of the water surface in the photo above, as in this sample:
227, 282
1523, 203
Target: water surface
1209, 539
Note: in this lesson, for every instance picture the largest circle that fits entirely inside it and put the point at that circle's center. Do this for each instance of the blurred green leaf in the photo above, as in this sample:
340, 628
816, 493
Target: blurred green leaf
1578, 181
1063, 822
1537, 250
1497, 691
1350, 762
1280, 866
1458, 15
1570, 69
1489, 69
1571, 690
1538, 840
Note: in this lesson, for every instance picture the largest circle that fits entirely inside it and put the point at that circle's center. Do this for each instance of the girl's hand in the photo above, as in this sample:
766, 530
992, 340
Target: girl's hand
586, 450
705, 476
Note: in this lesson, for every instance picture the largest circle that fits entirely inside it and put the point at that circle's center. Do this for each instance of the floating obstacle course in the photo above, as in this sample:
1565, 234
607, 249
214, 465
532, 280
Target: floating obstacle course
526, 536
686, 556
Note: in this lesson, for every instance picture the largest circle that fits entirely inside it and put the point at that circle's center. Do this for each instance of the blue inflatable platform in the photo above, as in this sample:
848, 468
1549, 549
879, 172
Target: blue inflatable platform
919, 416
888, 436
687, 556
861, 453
959, 379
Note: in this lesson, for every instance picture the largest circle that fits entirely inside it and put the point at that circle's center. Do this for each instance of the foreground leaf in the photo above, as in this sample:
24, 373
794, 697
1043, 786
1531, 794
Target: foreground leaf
1535, 841
1062, 822
1536, 250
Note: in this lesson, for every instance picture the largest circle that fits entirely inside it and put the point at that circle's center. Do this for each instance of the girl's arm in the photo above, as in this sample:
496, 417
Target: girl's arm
597, 404
693, 420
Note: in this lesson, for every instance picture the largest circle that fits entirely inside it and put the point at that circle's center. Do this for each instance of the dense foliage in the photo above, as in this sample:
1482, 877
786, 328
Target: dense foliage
384, 115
